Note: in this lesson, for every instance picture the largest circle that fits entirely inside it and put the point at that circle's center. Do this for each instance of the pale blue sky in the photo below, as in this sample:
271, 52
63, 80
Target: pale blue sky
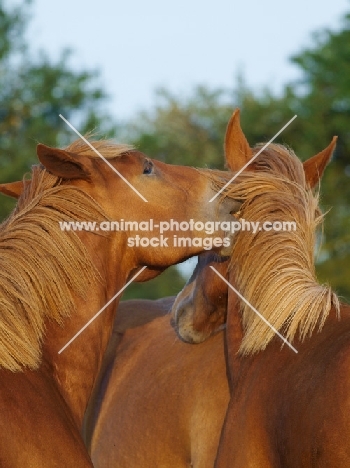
139, 45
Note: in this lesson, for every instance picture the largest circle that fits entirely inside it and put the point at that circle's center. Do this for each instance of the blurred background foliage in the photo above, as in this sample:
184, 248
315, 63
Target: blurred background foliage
188, 130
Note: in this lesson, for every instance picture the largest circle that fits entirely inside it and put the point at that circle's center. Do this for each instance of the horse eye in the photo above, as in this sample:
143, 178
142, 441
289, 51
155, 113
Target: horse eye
148, 167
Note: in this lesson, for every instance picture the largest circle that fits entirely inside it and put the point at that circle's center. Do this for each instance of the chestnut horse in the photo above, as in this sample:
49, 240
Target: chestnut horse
175, 419
52, 282
286, 409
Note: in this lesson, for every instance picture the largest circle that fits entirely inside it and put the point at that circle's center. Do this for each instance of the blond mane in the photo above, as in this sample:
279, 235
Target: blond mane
42, 268
274, 270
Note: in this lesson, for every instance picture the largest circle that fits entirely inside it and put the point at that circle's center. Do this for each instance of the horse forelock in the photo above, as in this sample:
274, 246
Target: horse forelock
278, 159
274, 270
107, 148
42, 268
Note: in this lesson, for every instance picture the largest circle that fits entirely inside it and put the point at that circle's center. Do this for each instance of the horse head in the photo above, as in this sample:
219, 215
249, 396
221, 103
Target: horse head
200, 309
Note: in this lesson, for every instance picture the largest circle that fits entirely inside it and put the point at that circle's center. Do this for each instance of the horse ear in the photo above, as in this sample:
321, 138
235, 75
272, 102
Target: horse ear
63, 164
14, 189
315, 166
237, 149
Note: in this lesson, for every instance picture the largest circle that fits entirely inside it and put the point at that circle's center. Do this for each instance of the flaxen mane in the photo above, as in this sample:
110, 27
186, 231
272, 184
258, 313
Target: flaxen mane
275, 270
41, 267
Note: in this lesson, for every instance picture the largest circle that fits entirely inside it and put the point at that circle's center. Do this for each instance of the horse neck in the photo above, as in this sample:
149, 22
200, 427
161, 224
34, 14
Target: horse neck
75, 368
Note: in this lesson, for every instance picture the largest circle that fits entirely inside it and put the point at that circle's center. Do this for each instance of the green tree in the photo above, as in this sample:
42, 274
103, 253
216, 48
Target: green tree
187, 130
325, 109
191, 130
34, 90
169, 283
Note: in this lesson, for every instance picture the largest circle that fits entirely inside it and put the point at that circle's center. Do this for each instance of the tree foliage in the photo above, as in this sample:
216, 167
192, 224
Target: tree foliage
169, 283
191, 130
185, 130
34, 90
325, 111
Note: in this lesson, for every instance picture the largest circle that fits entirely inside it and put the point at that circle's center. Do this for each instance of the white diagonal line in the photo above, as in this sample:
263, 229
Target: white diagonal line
100, 311
254, 309
104, 159
252, 159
